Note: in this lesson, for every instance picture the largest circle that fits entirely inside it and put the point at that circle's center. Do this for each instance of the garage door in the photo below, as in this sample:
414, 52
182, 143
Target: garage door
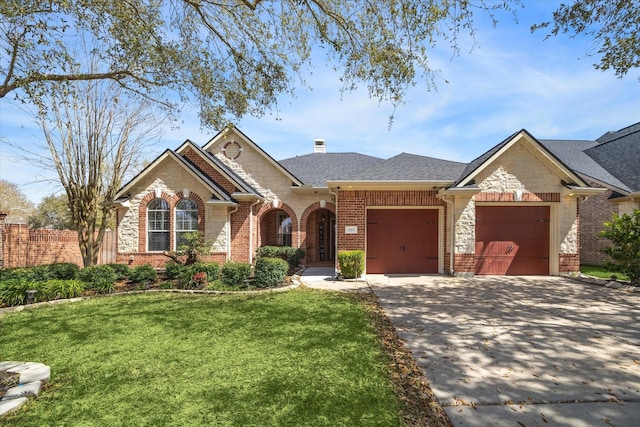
402, 241
512, 240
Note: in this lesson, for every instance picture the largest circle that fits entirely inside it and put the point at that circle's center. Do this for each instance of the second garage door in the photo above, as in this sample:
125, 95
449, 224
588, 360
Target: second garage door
512, 240
402, 241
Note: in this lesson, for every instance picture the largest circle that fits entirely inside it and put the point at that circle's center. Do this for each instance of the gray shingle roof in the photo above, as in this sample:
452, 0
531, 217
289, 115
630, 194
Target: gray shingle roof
412, 167
318, 168
619, 133
619, 153
573, 154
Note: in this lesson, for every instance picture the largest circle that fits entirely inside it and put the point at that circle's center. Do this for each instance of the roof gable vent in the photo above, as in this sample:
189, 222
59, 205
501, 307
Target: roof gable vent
319, 146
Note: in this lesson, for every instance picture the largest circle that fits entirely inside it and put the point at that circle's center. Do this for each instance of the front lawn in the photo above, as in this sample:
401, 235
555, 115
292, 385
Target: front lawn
601, 272
294, 358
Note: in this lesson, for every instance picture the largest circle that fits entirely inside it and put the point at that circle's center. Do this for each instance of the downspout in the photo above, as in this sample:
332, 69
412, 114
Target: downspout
229, 231
251, 230
452, 237
335, 243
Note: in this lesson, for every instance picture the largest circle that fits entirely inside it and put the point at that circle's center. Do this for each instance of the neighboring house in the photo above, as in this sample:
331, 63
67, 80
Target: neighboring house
513, 210
611, 162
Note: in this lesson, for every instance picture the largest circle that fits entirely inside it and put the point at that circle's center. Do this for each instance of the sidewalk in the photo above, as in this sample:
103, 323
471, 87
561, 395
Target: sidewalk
324, 278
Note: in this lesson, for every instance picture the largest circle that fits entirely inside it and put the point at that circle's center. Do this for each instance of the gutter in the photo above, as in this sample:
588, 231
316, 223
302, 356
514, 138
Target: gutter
452, 237
251, 229
335, 261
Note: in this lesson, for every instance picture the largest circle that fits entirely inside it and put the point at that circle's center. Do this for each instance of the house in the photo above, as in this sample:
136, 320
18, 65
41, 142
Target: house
514, 210
612, 162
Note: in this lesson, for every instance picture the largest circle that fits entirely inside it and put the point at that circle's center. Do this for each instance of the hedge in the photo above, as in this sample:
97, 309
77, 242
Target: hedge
270, 272
351, 263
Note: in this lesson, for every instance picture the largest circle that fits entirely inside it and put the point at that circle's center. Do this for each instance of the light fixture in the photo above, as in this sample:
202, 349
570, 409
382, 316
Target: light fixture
323, 203
185, 193
158, 192
517, 195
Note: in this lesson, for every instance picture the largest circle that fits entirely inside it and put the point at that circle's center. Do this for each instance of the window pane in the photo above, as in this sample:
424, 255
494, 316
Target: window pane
186, 219
187, 205
158, 225
285, 227
159, 241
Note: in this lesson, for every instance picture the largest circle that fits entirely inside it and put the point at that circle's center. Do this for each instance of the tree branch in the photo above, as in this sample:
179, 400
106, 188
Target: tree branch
113, 75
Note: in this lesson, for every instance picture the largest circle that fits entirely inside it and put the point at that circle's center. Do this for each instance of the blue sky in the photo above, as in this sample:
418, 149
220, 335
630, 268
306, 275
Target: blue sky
511, 79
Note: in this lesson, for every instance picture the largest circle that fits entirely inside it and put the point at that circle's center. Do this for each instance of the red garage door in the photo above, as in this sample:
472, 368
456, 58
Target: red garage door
402, 241
512, 240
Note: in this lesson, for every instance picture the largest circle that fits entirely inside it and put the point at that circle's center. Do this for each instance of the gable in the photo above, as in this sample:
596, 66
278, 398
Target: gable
523, 158
518, 167
215, 169
238, 151
174, 172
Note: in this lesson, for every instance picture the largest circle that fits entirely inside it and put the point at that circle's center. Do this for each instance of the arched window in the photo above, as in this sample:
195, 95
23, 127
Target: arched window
285, 226
158, 225
186, 219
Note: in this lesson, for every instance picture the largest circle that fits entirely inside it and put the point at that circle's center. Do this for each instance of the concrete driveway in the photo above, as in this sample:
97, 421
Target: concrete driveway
521, 351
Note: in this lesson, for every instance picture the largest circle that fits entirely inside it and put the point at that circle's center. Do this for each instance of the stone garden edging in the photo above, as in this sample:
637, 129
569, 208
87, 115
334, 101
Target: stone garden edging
607, 283
295, 279
32, 376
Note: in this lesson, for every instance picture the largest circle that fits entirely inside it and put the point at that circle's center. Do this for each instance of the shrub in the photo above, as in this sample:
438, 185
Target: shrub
235, 273
56, 288
196, 276
144, 275
211, 268
165, 285
63, 271
624, 233
29, 274
287, 253
270, 272
173, 270
122, 271
351, 263
192, 248
100, 278
14, 291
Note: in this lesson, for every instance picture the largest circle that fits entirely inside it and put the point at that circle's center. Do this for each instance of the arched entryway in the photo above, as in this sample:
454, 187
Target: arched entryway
277, 228
319, 243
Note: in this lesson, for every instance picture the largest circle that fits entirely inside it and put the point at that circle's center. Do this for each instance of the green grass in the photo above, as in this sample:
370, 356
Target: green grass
601, 272
277, 359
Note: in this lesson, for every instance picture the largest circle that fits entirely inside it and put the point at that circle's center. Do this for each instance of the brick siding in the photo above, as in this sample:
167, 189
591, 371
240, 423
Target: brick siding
26, 247
464, 263
353, 204
594, 211
493, 196
569, 263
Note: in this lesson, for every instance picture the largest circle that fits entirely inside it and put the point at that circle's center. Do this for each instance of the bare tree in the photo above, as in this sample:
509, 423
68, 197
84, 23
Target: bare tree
95, 131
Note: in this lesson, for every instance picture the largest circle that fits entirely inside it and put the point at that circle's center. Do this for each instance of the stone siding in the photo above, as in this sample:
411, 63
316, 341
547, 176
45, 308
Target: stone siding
519, 168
